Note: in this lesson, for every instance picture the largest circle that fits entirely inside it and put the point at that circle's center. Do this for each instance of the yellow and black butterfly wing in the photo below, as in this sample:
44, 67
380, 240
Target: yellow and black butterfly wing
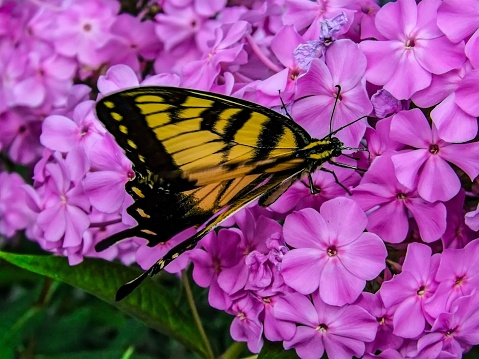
195, 153
182, 139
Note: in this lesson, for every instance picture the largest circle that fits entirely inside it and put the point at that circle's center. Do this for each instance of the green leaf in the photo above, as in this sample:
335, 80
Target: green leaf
17, 320
275, 350
104, 354
150, 303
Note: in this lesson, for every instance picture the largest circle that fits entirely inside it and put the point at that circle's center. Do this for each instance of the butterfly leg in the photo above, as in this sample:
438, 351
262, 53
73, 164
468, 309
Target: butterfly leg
336, 177
312, 189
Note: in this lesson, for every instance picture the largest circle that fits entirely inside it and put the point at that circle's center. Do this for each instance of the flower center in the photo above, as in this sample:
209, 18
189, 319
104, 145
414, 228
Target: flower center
401, 196
381, 320
434, 149
335, 95
84, 131
323, 328
216, 266
449, 333
332, 251
421, 291
294, 73
410, 44
87, 27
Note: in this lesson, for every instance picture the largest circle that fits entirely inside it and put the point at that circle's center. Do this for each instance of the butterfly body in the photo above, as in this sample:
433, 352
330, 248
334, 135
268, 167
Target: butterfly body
199, 157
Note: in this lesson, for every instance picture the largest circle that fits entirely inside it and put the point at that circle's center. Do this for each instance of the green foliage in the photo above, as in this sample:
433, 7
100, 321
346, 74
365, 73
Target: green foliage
43, 318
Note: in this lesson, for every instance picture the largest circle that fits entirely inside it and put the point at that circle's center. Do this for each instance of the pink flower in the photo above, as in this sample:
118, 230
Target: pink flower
389, 205
309, 14
408, 291
457, 275
363, 23
254, 236
414, 46
341, 332
110, 170
344, 65
132, 39
19, 136
333, 248
219, 252
283, 45
83, 29
457, 234
454, 115
182, 25
74, 136
62, 218
246, 326
15, 215
472, 219
385, 339
378, 139
452, 333
423, 166
458, 19
226, 49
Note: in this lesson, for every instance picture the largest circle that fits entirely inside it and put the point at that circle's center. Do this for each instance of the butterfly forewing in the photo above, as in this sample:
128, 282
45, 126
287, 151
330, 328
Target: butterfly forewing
187, 138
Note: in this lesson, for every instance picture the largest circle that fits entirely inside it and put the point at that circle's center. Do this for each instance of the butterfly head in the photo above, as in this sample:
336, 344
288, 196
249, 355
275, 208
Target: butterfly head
324, 149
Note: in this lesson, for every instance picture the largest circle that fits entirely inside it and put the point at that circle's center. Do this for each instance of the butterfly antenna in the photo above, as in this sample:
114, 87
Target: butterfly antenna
348, 124
334, 110
283, 106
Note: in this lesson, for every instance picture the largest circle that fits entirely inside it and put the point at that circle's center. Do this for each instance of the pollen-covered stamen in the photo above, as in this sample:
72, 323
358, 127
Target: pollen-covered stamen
381, 320
421, 291
266, 300
241, 316
322, 328
294, 73
332, 251
450, 333
84, 131
410, 44
459, 281
401, 196
434, 149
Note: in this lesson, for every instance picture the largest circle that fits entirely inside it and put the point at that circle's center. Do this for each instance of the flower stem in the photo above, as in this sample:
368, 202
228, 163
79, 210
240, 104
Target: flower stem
234, 351
194, 311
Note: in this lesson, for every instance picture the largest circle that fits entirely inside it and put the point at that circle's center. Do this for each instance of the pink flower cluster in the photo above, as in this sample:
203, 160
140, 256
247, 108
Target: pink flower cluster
390, 271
